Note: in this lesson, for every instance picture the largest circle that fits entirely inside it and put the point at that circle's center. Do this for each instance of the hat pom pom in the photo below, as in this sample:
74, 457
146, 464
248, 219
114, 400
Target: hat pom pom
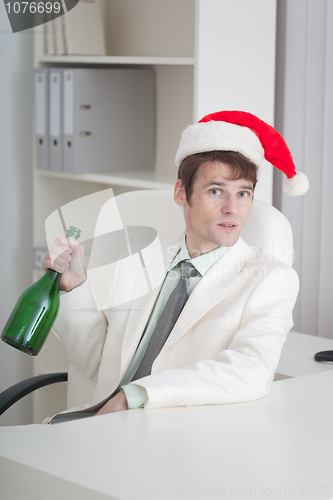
296, 185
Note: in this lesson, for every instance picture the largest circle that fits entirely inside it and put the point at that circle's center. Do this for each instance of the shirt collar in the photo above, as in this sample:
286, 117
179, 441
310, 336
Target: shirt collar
202, 263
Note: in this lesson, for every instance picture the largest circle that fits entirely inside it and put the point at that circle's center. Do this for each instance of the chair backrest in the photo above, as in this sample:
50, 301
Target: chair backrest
265, 227
153, 208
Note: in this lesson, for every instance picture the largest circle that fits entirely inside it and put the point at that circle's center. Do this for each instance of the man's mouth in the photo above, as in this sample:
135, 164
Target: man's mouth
228, 226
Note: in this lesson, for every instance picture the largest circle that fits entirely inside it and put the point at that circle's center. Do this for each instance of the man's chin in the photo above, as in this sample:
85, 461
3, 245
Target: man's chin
227, 241
226, 237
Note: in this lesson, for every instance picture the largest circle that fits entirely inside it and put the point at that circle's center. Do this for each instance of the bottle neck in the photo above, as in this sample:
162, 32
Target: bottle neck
54, 276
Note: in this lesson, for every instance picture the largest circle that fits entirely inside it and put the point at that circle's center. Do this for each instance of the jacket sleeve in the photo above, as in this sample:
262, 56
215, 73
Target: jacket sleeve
82, 330
244, 371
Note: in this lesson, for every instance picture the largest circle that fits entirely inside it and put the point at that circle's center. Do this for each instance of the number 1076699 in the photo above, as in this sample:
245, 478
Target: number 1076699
33, 7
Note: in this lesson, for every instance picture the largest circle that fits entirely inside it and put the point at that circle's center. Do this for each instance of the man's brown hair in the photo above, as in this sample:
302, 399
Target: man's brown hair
240, 168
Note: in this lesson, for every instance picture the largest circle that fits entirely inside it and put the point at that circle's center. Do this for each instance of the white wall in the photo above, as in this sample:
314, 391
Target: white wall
235, 60
15, 198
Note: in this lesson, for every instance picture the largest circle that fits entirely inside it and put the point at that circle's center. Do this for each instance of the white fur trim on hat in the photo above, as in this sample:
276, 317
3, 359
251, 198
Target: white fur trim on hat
219, 135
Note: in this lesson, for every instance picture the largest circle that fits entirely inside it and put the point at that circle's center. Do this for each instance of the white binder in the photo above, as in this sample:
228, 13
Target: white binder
41, 117
68, 140
55, 120
109, 119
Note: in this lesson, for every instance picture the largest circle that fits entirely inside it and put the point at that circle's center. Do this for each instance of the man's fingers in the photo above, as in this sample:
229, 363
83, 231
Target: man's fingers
69, 245
56, 259
56, 263
61, 255
65, 244
57, 252
62, 258
49, 264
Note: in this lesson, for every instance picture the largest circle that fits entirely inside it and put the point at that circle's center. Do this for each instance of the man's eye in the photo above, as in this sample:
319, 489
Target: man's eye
243, 194
214, 191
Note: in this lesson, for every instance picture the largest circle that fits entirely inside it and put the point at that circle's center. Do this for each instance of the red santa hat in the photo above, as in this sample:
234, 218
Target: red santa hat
247, 134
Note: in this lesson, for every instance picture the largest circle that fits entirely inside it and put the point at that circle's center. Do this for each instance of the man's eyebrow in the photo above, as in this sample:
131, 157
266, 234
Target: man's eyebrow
215, 183
223, 184
247, 186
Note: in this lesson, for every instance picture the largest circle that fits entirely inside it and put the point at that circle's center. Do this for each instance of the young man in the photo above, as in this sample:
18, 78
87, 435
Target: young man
225, 342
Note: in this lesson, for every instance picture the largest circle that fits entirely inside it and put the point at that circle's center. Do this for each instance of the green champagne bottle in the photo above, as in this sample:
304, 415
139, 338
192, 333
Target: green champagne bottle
35, 311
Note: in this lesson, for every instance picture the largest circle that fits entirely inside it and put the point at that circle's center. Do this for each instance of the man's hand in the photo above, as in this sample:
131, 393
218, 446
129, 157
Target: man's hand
66, 257
117, 403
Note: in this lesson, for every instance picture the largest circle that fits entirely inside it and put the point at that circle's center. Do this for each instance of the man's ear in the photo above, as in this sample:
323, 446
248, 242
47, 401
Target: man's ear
179, 193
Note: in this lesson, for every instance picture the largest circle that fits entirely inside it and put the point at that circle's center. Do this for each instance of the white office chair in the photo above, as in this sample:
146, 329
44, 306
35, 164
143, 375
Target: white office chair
265, 227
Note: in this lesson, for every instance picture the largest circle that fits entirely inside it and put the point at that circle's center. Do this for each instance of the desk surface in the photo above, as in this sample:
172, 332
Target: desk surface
298, 352
276, 447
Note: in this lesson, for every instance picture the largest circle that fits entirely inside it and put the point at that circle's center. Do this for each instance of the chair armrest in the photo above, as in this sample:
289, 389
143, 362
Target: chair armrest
18, 391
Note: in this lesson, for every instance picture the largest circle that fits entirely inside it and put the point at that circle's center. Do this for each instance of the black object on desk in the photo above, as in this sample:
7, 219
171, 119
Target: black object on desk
324, 356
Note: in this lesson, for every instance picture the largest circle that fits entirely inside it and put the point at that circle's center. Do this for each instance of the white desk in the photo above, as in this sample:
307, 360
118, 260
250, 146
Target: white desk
277, 447
298, 352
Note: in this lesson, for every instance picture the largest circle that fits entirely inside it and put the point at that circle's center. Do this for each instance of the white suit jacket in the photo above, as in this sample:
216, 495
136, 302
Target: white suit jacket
224, 348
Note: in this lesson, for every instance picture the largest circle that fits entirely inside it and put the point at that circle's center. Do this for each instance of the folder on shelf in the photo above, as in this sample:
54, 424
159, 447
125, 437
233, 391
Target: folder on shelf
108, 119
41, 117
55, 119
84, 29
68, 139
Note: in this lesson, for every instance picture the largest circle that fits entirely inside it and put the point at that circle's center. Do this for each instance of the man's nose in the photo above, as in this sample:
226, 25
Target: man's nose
230, 206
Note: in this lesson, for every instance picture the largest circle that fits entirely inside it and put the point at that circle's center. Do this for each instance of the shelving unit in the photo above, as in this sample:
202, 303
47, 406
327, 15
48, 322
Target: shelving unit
144, 179
207, 55
114, 60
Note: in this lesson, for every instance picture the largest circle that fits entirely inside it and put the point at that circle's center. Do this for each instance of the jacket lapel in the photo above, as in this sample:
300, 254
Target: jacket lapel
140, 309
210, 290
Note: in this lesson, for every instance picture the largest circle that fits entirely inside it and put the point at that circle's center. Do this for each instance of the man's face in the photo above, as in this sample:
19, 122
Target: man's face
217, 210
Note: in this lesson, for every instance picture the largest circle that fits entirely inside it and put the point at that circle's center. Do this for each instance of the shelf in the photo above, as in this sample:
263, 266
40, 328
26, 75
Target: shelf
145, 179
109, 60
